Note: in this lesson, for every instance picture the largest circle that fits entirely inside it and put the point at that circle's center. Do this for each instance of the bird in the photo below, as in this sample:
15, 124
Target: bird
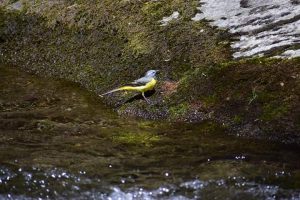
142, 84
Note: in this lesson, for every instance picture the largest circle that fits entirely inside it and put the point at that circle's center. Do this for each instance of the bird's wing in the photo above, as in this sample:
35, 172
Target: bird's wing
142, 81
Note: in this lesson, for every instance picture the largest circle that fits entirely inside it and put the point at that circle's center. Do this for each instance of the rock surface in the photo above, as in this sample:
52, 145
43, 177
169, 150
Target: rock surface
262, 26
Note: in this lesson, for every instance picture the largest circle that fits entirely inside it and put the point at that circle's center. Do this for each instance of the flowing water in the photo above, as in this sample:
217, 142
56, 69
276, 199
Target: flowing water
58, 141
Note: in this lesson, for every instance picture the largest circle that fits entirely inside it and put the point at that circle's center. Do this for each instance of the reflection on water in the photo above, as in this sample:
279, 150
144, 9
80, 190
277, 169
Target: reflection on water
59, 141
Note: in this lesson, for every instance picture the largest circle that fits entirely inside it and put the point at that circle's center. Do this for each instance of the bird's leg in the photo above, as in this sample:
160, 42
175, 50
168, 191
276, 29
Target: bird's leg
143, 94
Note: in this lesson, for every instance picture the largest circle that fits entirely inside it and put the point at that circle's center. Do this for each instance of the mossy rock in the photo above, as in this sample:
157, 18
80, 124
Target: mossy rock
105, 44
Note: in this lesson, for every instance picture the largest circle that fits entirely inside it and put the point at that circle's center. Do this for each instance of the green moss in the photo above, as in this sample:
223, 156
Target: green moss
210, 100
178, 110
211, 127
145, 124
139, 44
264, 96
142, 138
273, 112
237, 119
153, 10
156, 10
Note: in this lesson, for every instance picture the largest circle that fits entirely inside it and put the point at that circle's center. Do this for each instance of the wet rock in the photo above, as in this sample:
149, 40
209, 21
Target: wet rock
262, 27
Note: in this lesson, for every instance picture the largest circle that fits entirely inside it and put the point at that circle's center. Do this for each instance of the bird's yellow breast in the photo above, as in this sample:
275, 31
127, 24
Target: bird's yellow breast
150, 85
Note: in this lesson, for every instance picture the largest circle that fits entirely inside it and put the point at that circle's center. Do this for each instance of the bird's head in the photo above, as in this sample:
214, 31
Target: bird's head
151, 73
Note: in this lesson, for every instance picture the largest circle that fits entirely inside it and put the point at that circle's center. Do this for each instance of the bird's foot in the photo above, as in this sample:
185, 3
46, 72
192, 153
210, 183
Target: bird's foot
147, 100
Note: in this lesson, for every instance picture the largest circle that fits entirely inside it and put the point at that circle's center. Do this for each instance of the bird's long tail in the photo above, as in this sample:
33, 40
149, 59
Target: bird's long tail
120, 89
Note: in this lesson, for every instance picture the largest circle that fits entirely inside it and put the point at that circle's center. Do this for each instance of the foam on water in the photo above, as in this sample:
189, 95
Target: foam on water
262, 26
36, 183
233, 187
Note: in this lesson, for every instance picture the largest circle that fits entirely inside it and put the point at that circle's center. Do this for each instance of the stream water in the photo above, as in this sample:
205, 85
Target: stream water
58, 141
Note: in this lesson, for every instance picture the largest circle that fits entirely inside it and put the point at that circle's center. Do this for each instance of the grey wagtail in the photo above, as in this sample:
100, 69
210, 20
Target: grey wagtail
142, 85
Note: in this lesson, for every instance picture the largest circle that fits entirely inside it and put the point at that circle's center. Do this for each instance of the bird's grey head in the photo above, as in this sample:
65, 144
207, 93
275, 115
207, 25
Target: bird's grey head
151, 73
